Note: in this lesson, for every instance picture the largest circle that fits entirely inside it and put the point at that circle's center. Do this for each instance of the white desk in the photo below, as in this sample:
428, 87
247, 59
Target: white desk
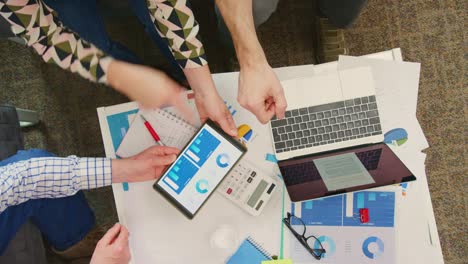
170, 238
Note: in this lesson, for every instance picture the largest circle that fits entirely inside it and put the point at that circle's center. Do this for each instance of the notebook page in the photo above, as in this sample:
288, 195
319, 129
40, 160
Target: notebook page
172, 130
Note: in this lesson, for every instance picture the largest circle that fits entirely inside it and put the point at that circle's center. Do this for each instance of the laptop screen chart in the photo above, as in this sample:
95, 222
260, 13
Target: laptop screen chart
200, 168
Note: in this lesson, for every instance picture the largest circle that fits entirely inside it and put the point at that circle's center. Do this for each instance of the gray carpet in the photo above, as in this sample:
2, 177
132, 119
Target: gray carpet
430, 32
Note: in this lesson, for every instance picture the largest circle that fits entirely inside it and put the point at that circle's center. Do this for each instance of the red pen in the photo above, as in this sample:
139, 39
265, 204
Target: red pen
152, 131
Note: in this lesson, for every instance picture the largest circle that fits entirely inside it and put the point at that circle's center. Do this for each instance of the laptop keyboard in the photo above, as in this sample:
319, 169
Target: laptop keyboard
324, 124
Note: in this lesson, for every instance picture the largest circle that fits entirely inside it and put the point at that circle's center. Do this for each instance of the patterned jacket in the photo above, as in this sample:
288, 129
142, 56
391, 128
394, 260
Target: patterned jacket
40, 27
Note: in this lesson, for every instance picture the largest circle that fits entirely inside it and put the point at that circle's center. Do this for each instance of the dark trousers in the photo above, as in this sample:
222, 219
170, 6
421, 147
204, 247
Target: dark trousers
62, 221
341, 13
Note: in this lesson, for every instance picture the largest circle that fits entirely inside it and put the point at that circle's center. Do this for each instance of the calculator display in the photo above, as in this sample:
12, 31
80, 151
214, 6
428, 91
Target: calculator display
200, 167
257, 193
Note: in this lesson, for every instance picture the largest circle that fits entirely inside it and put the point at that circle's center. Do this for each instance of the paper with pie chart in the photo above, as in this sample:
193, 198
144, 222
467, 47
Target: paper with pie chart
344, 237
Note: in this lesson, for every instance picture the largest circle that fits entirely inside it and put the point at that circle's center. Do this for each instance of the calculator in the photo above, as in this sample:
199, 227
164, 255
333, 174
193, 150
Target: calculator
248, 187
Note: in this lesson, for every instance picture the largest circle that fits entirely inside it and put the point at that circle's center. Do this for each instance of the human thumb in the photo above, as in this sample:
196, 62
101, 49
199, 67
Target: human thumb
164, 160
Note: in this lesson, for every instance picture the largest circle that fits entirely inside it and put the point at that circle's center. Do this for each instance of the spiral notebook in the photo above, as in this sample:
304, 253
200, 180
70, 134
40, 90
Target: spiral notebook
173, 130
249, 252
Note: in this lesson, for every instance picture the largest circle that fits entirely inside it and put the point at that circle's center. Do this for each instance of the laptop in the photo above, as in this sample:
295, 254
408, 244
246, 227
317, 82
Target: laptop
331, 140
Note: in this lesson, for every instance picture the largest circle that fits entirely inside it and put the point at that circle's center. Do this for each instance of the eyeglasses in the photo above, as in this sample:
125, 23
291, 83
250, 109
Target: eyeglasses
298, 228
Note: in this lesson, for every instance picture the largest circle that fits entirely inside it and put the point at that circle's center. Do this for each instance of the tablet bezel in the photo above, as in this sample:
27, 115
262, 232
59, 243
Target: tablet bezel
173, 200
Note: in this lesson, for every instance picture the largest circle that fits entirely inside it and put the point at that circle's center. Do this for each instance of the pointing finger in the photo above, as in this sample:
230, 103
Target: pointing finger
227, 124
280, 103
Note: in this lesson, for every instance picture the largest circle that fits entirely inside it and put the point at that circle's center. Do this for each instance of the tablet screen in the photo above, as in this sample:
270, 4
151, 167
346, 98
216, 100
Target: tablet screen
200, 167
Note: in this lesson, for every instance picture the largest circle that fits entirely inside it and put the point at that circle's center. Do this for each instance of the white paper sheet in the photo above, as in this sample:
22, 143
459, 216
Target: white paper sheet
396, 84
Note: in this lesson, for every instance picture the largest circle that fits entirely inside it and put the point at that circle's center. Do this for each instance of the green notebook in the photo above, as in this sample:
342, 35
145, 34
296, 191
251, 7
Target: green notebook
249, 252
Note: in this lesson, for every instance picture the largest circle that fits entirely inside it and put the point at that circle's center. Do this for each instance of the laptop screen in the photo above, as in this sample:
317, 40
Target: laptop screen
341, 171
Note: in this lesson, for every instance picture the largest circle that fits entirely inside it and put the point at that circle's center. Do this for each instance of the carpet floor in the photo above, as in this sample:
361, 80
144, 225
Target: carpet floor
430, 32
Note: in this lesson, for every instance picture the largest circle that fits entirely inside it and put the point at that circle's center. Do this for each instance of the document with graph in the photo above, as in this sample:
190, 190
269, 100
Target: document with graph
336, 222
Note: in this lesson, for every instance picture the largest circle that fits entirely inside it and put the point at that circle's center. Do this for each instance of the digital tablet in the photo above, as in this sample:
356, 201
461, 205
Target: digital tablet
199, 168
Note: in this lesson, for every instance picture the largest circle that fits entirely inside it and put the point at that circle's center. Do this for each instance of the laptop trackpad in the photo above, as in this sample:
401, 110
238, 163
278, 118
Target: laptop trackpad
317, 90
343, 171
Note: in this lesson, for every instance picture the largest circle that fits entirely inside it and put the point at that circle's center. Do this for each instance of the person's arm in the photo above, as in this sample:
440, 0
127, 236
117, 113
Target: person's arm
54, 177
259, 89
176, 24
51, 177
54, 43
64, 48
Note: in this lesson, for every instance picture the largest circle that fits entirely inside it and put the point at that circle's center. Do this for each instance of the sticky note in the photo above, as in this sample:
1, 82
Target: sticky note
278, 261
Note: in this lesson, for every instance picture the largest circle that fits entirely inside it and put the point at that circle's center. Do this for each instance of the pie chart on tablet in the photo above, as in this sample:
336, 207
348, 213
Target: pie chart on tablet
222, 160
202, 186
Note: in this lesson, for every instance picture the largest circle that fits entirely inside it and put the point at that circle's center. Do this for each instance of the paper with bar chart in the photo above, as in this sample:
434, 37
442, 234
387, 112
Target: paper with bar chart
335, 221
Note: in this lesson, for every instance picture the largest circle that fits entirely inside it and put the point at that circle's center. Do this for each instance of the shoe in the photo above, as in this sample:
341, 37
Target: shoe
330, 41
83, 248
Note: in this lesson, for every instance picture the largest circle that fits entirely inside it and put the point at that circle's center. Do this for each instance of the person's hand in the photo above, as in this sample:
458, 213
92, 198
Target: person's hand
211, 106
113, 247
261, 93
148, 165
151, 88
209, 103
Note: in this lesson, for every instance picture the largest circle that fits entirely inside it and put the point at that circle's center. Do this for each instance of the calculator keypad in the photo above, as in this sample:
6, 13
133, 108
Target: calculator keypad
243, 186
237, 181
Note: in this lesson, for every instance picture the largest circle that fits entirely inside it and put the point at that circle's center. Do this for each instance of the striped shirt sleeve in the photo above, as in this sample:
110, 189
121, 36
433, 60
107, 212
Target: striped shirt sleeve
51, 177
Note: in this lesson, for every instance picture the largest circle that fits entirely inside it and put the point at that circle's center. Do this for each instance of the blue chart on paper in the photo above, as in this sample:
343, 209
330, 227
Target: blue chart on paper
202, 147
328, 244
371, 240
180, 174
330, 211
118, 127
325, 211
381, 207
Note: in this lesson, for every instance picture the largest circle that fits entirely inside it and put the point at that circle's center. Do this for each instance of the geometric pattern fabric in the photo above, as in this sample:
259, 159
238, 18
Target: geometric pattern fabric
36, 23
176, 24
39, 26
